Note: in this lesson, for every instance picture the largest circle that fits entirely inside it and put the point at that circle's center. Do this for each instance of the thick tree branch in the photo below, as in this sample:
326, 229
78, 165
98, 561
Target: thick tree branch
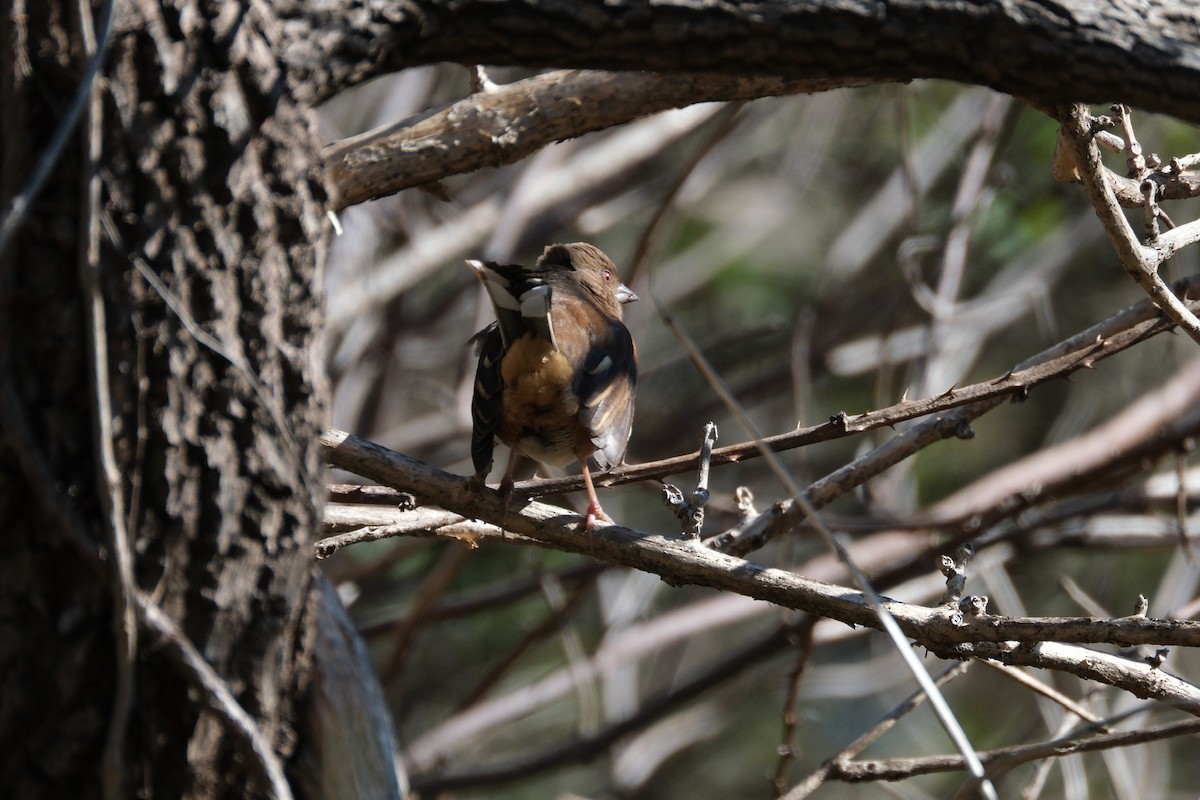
506, 123
1089, 50
503, 124
682, 562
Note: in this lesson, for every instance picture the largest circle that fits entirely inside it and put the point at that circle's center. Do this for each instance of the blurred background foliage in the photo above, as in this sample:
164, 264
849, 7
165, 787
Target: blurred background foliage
833, 252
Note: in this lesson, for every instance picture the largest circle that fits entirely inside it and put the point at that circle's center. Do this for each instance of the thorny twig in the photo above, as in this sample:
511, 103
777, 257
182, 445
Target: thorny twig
692, 511
1141, 261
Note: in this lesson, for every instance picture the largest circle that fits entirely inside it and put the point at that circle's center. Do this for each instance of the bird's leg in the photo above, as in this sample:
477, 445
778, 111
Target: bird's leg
506, 483
594, 512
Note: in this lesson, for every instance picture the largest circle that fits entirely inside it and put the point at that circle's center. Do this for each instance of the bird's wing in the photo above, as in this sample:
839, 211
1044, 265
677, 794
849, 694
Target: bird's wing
486, 402
605, 385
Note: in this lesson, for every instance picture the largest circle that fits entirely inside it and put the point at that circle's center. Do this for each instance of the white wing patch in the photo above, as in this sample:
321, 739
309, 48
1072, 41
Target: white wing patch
604, 365
536, 302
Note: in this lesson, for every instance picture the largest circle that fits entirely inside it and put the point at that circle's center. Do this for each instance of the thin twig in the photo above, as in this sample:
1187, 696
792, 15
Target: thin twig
787, 745
453, 559
372, 523
1081, 351
972, 188
237, 361
1152, 425
553, 622
574, 654
23, 202
1045, 690
490, 598
1033, 788
110, 487
1181, 505
586, 747
831, 766
725, 123
691, 511
1002, 760
218, 696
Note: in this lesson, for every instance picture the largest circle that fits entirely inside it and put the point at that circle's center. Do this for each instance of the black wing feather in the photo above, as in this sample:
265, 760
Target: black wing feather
486, 401
605, 388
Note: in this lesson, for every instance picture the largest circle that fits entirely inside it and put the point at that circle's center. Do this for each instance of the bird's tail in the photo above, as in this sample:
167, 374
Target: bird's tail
521, 300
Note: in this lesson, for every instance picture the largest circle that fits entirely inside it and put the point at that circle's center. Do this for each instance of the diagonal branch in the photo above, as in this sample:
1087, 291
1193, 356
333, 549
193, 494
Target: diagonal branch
942, 630
1081, 351
506, 123
817, 778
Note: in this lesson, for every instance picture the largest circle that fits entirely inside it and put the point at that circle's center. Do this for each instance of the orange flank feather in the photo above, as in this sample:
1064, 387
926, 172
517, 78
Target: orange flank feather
540, 413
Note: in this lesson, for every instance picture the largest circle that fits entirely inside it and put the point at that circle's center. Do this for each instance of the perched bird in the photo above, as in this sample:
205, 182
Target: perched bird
558, 368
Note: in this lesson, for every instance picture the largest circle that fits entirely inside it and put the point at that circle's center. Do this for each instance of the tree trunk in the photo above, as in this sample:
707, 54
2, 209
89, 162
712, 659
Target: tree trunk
205, 247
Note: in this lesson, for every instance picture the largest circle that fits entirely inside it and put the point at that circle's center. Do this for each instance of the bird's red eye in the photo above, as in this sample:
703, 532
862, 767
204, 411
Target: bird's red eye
607, 275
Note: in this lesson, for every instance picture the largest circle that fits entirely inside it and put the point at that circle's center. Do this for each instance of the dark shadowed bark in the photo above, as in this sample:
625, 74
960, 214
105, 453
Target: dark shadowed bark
210, 243
1077, 50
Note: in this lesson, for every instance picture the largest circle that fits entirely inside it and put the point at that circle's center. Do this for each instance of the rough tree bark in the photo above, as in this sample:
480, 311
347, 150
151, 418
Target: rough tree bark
1086, 50
208, 265
210, 239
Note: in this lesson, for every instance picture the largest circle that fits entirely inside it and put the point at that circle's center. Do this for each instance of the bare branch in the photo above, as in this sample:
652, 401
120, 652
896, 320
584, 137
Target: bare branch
631, 147
691, 511
1153, 424
1047, 691
1004, 759
832, 765
370, 523
1046, 53
1081, 351
508, 123
1141, 261
679, 562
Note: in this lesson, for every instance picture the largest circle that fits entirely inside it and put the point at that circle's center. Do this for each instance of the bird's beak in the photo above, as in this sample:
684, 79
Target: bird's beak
626, 295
